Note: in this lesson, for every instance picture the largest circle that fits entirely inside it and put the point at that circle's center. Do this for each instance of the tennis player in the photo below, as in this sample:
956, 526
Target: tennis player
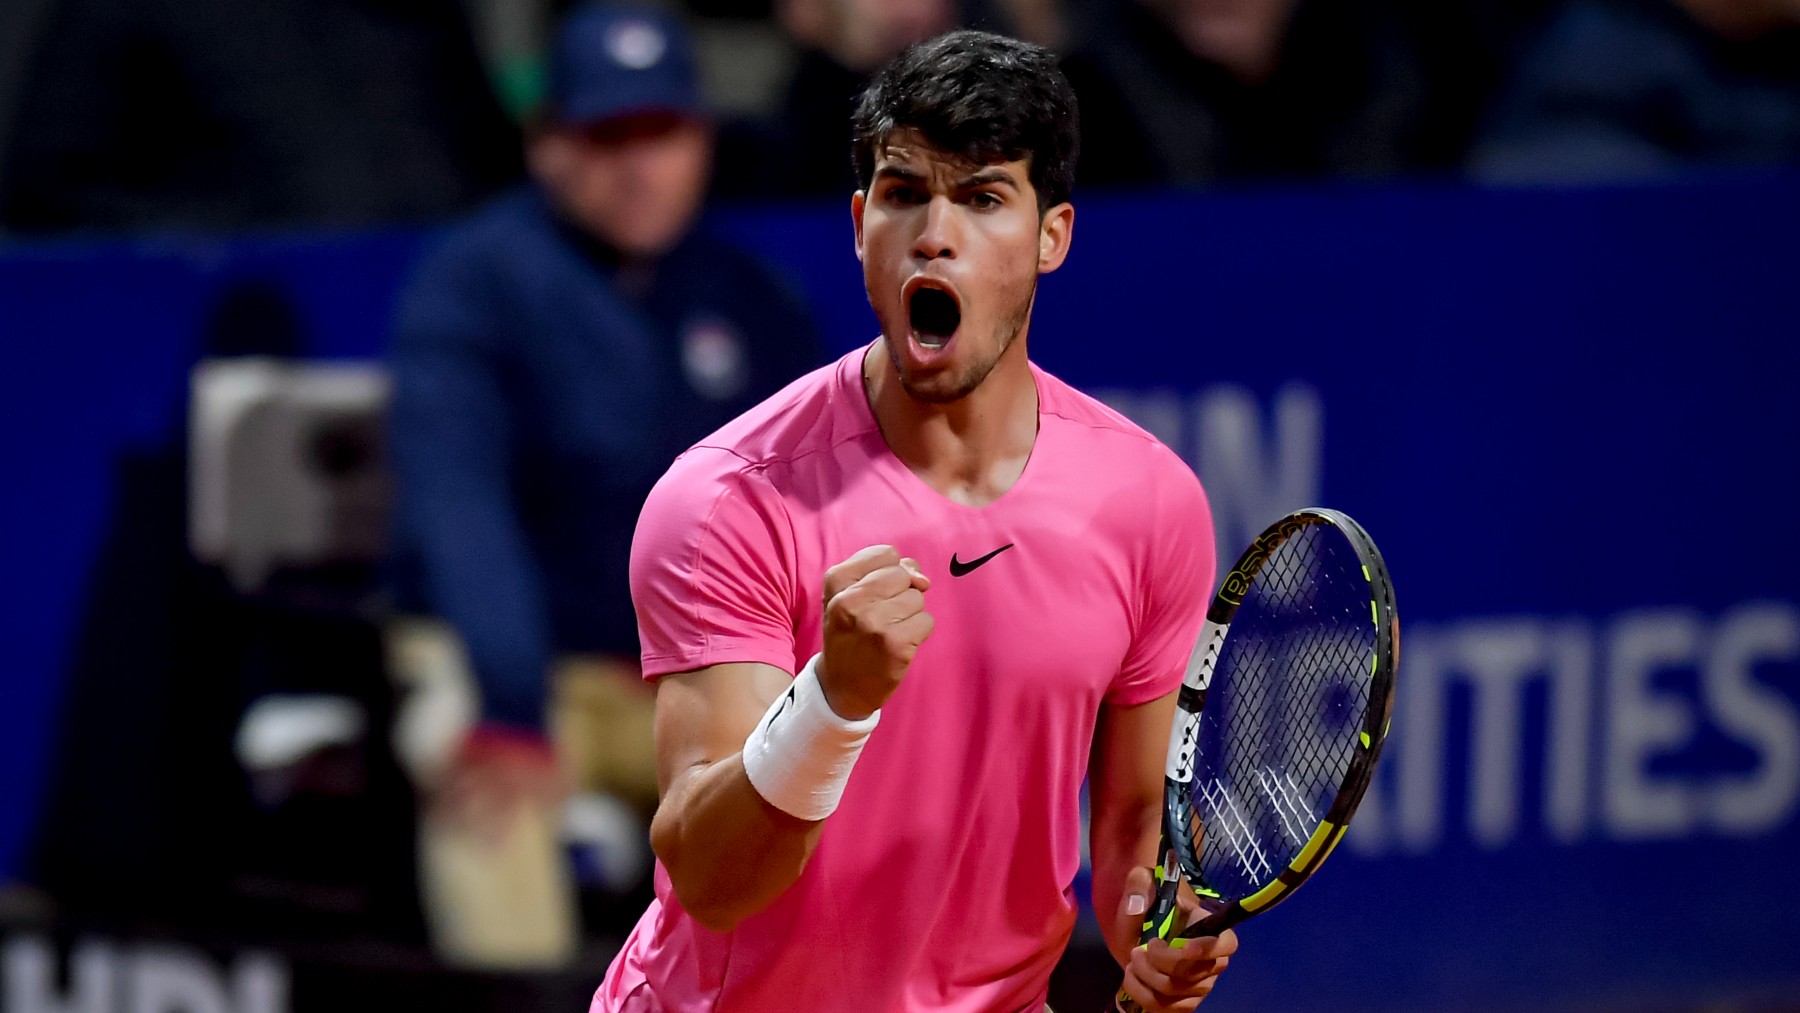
987, 583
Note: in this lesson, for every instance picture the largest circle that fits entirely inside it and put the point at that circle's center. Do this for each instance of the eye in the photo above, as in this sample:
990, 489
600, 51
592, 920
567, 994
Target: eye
904, 195
985, 201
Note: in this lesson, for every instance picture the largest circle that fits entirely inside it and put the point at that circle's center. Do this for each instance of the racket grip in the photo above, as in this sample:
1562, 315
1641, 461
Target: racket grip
1156, 921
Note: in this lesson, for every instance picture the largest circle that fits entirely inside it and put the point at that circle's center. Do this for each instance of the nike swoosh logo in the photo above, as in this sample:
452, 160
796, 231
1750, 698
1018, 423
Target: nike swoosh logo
959, 569
786, 698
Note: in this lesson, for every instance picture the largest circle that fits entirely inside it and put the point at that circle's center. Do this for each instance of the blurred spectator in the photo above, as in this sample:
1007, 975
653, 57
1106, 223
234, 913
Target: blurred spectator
223, 114
553, 355
805, 147
1194, 91
1624, 89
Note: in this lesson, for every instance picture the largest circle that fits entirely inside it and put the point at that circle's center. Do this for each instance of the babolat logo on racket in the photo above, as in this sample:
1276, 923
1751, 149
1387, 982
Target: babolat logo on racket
1251, 563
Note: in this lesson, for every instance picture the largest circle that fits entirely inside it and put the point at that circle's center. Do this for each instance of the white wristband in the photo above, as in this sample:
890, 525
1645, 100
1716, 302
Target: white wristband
800, 755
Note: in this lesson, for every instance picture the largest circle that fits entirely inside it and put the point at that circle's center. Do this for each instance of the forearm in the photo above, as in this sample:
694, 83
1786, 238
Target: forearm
752, 761
728, 852
1122, 838
1125, 783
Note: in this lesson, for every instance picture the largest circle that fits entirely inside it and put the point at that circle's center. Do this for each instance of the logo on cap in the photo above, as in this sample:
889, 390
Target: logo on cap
637, 45
712, 355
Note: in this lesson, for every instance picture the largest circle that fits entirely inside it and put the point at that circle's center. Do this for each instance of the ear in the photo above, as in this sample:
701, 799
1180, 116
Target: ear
858, 201
1055, 232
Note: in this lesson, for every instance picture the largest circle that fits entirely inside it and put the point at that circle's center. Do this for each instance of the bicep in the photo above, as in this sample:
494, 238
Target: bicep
704, 716
1125, 775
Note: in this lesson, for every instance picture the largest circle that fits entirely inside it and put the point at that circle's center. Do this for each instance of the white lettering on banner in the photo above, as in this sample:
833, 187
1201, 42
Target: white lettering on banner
1253, 478
1615, 730
168, 979
1499, 660
30, 967
1253, 475
1635, 749
1642, 722
1756, 716
153, 978
1571, 729
1421, 762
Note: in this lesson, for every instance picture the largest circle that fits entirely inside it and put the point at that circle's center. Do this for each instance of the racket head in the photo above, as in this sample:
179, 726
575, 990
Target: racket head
1288, 719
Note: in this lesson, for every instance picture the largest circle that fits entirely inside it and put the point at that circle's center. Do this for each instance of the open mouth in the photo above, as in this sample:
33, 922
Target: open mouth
934, 314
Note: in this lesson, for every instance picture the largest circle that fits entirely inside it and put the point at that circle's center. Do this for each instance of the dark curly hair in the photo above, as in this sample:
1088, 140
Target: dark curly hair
982, 97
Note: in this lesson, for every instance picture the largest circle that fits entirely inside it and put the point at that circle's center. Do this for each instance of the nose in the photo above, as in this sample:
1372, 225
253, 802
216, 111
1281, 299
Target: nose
937, 237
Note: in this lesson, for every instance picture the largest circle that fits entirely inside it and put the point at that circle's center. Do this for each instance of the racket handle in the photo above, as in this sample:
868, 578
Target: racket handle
1157, 921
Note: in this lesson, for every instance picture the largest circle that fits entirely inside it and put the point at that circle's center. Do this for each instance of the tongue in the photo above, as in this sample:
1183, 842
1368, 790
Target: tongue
934, 316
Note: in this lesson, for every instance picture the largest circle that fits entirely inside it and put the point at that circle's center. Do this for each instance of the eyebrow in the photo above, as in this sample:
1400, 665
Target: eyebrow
986, 176
900, 173
981, 177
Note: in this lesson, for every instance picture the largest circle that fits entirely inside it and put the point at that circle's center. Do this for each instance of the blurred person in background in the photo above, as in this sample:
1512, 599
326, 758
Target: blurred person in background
553, 354
1637, 89
136, 114
1196, 91
804, 148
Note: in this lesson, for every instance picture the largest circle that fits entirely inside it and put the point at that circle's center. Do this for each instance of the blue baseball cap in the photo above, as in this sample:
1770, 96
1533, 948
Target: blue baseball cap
610, 61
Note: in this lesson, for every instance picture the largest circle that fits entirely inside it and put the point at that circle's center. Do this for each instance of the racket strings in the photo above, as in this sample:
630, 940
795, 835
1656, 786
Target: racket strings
1296, 818
1282, 717
1240, 838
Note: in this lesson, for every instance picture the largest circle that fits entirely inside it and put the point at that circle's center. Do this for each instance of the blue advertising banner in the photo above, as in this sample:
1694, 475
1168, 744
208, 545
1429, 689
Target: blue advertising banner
1569, 420
1567, 417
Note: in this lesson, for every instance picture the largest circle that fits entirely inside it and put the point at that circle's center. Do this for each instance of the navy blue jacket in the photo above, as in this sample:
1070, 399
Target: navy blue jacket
541, 389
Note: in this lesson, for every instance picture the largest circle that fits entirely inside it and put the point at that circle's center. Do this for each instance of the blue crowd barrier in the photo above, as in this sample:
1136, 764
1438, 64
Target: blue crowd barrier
1567, 416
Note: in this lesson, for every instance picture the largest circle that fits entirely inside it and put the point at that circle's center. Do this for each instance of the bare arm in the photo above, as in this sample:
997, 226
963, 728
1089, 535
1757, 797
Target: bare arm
729, 853
728, 850
1125, 782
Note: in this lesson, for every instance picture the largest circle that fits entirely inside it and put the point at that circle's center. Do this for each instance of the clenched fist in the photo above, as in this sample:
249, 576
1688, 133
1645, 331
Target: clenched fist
875, 620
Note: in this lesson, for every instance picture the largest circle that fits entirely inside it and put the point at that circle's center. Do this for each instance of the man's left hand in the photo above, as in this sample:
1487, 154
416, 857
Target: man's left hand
1161, 976
1164, 977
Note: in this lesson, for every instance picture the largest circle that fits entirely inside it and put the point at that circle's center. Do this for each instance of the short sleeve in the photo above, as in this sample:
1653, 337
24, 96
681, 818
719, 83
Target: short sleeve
1176, 586
712, 568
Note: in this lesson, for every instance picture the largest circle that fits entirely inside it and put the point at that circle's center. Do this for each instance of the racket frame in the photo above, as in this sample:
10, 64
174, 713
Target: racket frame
1180, 861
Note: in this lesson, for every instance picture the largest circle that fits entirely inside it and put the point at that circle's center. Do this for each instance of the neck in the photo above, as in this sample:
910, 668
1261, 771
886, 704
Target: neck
970, 450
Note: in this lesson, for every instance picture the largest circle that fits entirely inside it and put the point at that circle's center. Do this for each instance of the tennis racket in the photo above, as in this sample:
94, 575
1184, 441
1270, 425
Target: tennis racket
1282, 714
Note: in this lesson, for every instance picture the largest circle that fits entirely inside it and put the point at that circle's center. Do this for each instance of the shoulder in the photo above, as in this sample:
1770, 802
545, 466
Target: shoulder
809, 416
735, 272
700, 483
516, 212
499, 232
705, 244
1088, 421
1149, 491
1609, 50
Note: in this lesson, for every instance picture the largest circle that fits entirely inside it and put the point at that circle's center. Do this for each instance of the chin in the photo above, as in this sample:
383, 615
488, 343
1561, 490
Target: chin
934, 394
647, 247
939, 386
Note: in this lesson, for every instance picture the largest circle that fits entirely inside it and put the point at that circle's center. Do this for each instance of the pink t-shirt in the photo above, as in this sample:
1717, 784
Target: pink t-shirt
942, 882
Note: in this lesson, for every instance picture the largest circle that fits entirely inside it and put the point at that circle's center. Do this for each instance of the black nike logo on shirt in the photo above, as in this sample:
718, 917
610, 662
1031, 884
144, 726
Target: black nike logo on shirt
958, 569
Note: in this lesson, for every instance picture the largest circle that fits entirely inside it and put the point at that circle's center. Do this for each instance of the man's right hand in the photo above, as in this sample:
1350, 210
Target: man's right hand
875, 620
